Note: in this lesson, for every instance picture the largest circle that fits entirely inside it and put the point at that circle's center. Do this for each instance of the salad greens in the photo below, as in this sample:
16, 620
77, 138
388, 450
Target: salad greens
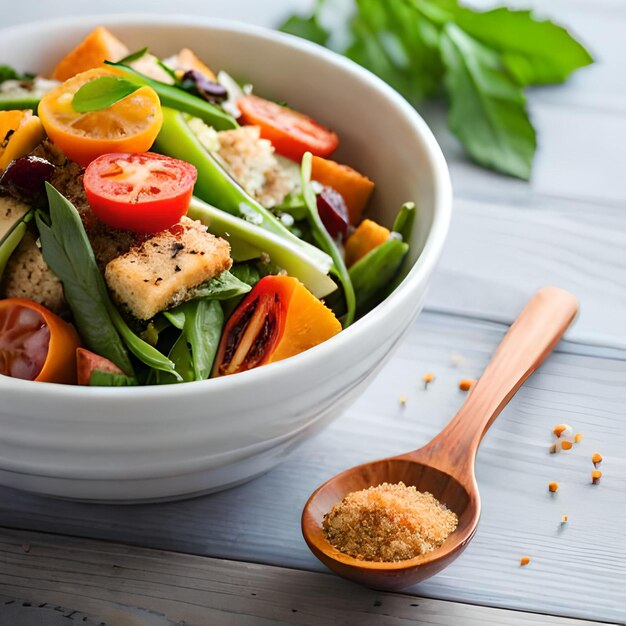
326, 242
12, 238
481, 60
66, 249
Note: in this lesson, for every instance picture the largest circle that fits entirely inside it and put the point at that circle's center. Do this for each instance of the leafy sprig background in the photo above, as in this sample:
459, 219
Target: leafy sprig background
480, 61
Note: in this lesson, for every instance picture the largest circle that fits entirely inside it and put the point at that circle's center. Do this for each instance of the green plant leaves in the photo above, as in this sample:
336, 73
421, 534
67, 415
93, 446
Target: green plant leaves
500, 135
481, 59
101, 93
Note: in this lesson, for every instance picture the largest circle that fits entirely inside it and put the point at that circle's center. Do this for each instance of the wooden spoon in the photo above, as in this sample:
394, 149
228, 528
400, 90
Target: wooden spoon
445, 466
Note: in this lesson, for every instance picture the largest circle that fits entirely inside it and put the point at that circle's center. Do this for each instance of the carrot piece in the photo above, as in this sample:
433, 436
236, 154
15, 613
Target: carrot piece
354, 188
99, 46
364, 239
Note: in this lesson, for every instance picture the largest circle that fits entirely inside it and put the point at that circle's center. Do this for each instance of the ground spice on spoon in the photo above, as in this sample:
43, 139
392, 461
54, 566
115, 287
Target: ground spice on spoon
391, 522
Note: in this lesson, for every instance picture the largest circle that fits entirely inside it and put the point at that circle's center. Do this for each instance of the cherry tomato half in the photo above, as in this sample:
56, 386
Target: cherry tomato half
144, 193
36, 344
291, 133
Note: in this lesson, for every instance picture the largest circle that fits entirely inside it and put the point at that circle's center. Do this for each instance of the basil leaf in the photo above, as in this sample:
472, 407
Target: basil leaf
101, 93
500, 135
99, 378
535, 52
307, 28
398, 44
222, 287
68, 253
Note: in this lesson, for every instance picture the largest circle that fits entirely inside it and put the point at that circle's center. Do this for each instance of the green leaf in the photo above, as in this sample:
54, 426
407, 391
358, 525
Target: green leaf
99, 378
326, 242
405, 220
399, 44
68, 253
8, 73
134, 56
12, 238
101, 93
487, 108
246, 272
307, 28
180, 355
534, 51
222, 287
202, 323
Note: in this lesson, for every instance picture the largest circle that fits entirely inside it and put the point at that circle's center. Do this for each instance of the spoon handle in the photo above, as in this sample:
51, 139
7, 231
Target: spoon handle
523, 349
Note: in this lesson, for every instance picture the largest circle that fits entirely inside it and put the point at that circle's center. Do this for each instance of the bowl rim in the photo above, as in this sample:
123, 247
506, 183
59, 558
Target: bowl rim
399, 298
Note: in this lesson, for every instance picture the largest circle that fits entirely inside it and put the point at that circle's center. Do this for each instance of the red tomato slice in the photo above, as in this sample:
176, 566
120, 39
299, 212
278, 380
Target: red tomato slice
144, 193
36, 344
291, 133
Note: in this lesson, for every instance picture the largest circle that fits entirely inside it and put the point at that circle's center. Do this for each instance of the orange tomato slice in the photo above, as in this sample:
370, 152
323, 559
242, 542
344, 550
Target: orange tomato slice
36, 344
129, 125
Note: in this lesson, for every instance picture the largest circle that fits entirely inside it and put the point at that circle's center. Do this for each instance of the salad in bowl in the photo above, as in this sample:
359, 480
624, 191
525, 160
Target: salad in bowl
162, 223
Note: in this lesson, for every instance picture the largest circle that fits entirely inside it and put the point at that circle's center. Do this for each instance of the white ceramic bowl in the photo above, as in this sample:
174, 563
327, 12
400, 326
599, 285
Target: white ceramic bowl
167, 442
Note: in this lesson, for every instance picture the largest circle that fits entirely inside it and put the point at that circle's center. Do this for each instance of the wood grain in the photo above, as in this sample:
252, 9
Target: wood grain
88, 582
578, 570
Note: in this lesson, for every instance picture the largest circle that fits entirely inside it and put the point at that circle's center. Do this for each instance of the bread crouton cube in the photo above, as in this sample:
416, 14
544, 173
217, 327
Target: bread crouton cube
161, 272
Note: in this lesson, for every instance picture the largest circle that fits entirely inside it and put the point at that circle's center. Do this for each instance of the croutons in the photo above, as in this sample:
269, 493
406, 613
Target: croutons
162, 271
99, 45
253, 164
28, 276
11, 210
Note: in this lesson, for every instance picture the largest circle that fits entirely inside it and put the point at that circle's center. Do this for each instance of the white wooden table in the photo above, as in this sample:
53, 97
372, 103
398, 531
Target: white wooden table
238, 558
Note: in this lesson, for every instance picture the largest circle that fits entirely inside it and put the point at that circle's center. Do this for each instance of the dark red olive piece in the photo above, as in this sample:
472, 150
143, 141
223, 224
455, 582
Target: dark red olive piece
24, 178
333, 212
205, 88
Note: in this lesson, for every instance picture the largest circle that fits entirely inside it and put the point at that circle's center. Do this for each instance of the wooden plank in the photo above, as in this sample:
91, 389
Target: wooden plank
578, 570
89, 582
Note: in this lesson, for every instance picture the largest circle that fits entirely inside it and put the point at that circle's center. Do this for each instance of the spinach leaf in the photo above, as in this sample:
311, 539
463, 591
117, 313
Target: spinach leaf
223, 287
101, 93
246, 272
196, 347
326, 242
67, 252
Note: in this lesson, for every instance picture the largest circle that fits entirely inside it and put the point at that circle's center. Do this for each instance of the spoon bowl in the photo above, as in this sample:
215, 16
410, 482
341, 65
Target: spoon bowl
445, 466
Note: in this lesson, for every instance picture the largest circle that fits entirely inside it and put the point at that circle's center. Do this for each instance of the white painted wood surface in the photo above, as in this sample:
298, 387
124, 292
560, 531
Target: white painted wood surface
88, 582
568, 227
578, 570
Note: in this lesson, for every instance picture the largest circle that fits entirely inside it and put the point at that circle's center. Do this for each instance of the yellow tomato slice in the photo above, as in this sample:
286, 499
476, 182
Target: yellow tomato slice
129, 125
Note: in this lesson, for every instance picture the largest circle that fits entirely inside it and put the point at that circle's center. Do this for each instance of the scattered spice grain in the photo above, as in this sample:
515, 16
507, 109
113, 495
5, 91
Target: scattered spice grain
559, 429
553, 448
596, 475
525, 560
402, 400
466, 384
596, 459
553, 486
390, 522
566, 445
428, 378
578, 438
564, 519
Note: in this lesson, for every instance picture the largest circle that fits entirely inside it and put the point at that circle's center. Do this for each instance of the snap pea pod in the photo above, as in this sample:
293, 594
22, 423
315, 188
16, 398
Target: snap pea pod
372, 273
12, 238
171, 96
325, 241
405, 220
